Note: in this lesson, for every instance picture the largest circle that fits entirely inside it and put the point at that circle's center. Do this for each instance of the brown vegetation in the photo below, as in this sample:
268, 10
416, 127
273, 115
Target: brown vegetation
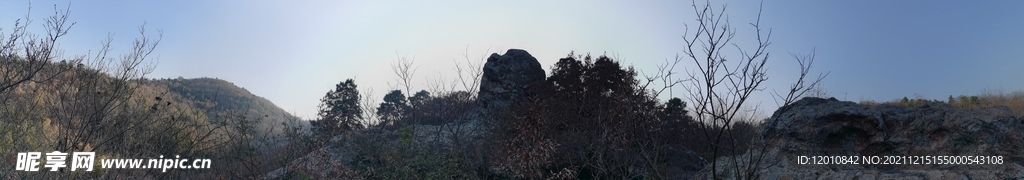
104, 104
987, 98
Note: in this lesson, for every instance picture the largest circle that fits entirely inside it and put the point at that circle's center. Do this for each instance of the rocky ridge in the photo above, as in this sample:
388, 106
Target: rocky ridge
506, 79
829, 127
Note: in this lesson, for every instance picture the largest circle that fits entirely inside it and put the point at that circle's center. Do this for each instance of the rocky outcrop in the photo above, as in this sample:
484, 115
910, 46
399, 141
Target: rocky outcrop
912, 136
507, 77
332, 161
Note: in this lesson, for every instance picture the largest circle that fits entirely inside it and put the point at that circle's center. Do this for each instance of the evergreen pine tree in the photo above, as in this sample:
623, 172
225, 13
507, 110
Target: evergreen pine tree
339, 110
393, 108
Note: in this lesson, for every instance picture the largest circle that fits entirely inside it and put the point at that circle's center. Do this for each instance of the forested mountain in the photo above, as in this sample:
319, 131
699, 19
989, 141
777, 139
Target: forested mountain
220, 97
50, 102
71, 107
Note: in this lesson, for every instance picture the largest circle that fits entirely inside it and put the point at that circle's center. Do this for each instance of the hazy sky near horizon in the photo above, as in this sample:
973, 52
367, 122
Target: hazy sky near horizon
292, 52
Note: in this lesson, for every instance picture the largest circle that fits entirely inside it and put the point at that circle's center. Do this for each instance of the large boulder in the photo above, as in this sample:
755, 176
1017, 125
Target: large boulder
828, 127
507, 78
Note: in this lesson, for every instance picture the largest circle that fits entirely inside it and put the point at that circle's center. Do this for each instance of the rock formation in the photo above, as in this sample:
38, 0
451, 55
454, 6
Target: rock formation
828, 127
507, 77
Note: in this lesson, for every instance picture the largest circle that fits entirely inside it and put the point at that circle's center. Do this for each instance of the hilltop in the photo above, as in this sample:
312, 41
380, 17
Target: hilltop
221, 97
73, 107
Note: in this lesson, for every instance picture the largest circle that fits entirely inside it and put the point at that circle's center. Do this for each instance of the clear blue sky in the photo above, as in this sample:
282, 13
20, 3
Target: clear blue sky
292, 52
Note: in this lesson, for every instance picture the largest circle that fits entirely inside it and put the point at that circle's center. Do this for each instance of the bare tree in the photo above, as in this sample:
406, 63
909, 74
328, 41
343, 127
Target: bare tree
404, 69
24, 56
81, 104
721, 86
26, 59
440, 85
93, 97
469, 74
664, 75
801, 87
369, 106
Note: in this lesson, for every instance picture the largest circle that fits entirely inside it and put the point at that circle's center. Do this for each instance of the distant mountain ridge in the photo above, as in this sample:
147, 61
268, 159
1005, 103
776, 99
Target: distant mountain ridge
221, 97
116, 112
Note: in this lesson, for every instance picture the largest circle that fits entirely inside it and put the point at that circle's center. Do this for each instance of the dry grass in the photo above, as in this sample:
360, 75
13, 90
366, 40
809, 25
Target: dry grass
987, 98
1013, 100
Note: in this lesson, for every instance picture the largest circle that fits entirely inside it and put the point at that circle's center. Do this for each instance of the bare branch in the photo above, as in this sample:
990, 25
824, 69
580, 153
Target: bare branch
404, 69
469, 74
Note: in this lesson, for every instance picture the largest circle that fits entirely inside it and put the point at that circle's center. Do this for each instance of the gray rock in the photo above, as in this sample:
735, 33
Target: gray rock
828, 127
507, 77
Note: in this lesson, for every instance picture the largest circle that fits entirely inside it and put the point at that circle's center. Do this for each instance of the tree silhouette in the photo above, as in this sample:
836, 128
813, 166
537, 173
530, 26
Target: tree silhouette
720, 88
592, 119
675, 106
393, 108
339, 110
419, 98
590, 77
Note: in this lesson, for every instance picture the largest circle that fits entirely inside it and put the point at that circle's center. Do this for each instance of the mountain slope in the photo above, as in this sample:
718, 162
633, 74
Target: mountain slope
114, 112
222, 98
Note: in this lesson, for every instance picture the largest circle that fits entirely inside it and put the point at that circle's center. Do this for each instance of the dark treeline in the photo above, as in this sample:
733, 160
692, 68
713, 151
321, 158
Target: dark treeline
591, 118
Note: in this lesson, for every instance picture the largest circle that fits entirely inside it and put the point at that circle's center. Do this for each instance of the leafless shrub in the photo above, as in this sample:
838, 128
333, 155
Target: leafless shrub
470, 72
404, 69
720, 87
25, 55
1013, 100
